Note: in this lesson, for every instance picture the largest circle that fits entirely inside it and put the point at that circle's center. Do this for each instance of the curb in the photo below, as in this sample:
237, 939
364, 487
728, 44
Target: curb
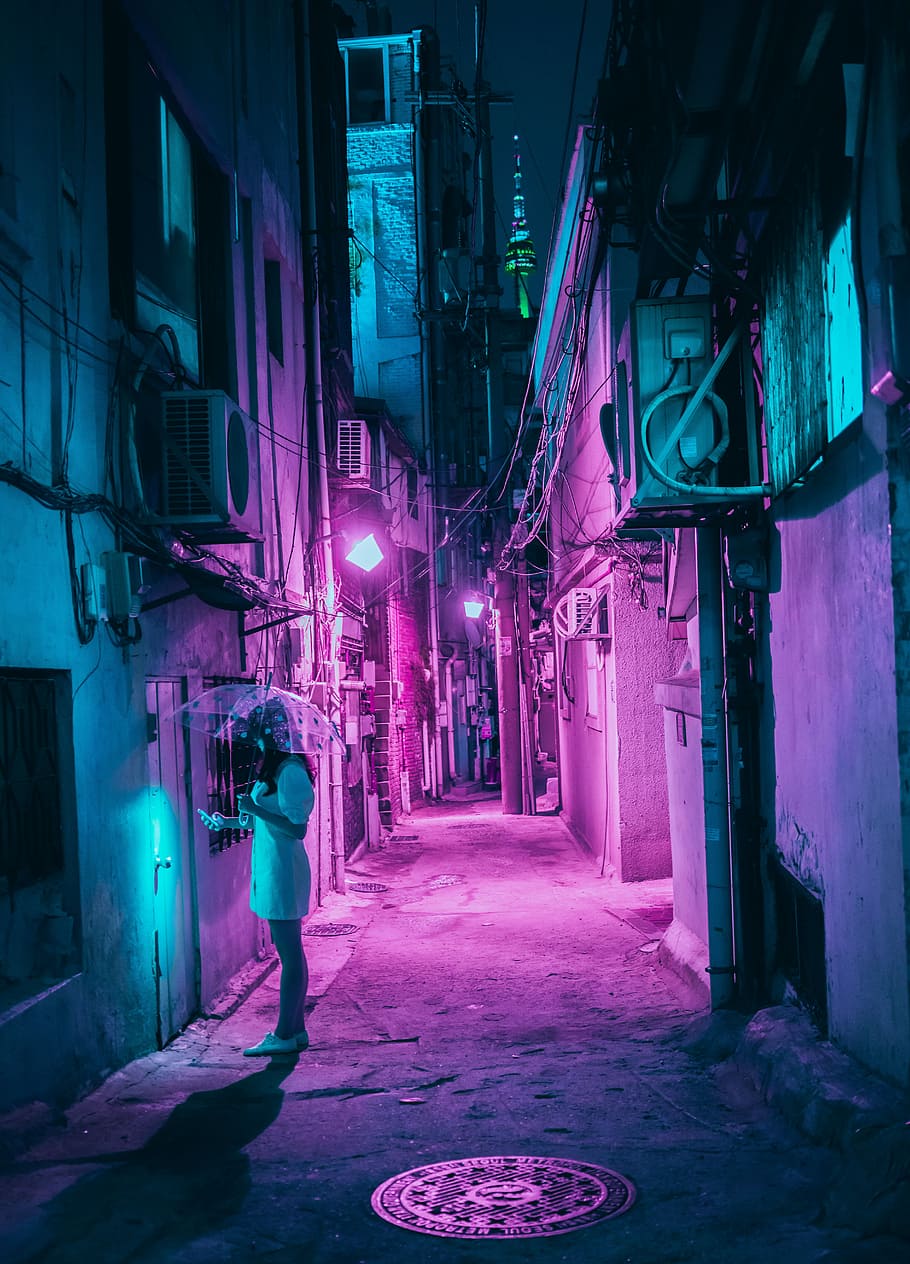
824, 1091
834, 1100
242, 985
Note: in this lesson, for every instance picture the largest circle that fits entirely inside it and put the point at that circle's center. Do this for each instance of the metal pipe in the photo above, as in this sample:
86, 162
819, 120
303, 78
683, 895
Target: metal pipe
313, 353
718, 878
425, 253
450, 710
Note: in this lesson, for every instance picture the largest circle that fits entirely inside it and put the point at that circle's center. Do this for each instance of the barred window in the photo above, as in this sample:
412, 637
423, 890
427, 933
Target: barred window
31, 837
228, 773
39, 892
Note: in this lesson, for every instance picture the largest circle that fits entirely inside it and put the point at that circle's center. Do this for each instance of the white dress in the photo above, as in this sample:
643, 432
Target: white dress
279, 868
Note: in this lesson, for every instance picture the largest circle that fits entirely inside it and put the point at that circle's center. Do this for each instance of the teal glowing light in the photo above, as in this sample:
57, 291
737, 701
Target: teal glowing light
366, 553
473, 609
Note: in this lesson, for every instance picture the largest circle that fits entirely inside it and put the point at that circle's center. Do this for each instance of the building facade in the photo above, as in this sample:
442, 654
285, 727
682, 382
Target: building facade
159, 451
727, 453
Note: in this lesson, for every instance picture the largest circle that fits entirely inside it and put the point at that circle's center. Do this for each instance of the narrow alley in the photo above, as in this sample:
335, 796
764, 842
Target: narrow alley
491, 994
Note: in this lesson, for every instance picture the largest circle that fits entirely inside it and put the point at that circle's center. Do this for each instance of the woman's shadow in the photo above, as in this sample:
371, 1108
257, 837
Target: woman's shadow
187, 1179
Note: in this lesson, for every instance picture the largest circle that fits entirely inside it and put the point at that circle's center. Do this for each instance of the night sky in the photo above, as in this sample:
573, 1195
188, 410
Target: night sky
530, 55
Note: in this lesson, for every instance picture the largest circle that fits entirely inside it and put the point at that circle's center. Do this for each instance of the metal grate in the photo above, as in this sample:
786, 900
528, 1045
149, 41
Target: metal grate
368, 886
188, 454
325, 929
503, 1196
31, 825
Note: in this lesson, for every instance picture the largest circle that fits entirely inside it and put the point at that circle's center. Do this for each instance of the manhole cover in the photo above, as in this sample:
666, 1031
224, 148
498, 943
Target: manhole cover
446, 880
368, 886
503, 1196
403, 838
331, 928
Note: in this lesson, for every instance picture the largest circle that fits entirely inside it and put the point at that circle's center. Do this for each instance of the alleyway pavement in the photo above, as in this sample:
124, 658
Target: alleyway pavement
498, 997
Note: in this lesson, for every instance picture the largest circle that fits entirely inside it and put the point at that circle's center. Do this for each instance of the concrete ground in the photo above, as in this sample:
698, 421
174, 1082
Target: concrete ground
500, 997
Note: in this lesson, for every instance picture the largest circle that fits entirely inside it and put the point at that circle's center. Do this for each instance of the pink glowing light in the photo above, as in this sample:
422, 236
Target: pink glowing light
366, 553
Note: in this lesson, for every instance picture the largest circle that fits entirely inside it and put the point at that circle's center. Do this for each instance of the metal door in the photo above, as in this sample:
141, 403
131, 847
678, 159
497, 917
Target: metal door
171, 863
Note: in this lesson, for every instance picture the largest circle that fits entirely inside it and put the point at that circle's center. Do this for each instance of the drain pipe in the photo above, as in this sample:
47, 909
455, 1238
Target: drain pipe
315, 410
427, 219
714, 767
450, 711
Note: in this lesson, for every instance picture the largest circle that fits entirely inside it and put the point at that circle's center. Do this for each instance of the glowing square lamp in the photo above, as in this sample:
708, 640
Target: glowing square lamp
473, 609
366, 553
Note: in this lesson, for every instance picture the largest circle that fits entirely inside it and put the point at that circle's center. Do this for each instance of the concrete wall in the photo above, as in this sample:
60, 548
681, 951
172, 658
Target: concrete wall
643, 655
585, 727
98, 1006
836, 803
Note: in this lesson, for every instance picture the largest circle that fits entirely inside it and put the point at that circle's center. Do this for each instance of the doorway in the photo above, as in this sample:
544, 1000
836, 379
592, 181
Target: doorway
171, 860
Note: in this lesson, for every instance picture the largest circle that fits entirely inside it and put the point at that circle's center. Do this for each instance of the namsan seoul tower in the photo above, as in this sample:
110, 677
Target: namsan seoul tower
521, 258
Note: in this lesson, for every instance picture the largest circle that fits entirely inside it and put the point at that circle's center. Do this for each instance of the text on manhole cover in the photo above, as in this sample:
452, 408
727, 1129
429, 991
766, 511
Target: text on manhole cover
330, 928
367, 886
503, 1196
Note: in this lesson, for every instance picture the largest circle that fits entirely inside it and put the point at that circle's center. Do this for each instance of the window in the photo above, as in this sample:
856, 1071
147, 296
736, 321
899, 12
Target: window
168, 216
228, 773
366, 81
164, 243
413, 508
593, 684
274, 329
38, 923
7, 155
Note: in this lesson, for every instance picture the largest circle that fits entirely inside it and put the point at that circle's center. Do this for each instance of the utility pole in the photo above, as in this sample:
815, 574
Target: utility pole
507, 649
526, 685
315, 415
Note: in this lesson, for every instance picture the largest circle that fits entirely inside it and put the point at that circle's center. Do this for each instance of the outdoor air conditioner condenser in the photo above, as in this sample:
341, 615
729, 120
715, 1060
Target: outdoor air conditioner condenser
210, 466
581, 611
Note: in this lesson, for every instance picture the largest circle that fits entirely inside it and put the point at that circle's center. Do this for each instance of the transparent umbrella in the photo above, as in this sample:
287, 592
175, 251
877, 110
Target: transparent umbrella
250, 714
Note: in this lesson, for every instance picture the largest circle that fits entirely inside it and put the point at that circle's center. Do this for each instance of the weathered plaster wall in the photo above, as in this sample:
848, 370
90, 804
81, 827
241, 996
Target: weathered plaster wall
643, 656
71, 1029
583, 745
836, 794
685, 790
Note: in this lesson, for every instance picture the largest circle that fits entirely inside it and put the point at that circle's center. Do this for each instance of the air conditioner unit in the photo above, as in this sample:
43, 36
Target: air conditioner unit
582, 613
581, 610
352, 451
210, 467
667, 454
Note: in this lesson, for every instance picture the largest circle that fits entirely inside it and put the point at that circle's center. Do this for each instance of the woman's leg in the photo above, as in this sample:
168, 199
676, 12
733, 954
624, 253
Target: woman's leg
294, 976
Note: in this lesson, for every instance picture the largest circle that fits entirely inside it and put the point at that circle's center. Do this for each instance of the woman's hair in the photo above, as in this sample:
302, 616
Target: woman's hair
267, 765
270, 760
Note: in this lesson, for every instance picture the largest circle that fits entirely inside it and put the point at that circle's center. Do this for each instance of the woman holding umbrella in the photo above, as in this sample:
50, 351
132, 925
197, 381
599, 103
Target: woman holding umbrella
279, 805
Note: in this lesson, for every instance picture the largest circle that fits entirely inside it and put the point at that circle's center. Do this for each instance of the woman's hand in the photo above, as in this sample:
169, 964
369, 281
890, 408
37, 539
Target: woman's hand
215, 821
245, 805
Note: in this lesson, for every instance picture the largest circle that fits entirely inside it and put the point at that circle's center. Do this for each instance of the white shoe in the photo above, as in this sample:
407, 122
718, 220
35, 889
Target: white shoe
271, 1044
